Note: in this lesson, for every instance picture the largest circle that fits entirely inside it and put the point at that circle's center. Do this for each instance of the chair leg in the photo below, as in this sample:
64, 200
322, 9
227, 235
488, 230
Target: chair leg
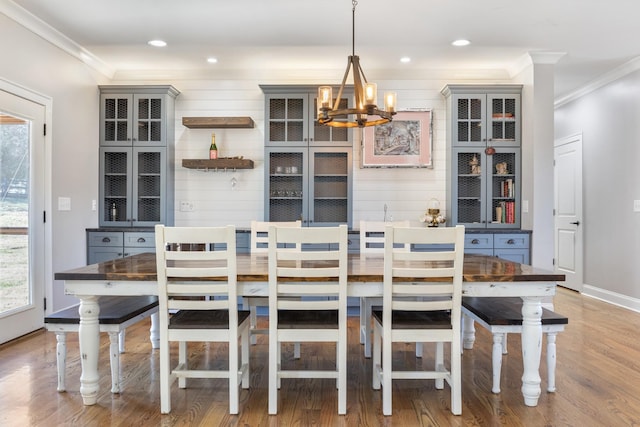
121, 340
376, 357
551, 362
439, 363
363, 317
244, 342
182, 361
114, 351
456, 378
386, 376
504, 344
154, 331
296, 350
253, 322
165, 385
234, 392
469, 334
61, 353
274, 356
342, 373
497, 361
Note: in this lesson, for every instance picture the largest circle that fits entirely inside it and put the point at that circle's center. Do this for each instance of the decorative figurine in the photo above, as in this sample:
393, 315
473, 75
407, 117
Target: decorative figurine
433, 218
475, 165
501, 168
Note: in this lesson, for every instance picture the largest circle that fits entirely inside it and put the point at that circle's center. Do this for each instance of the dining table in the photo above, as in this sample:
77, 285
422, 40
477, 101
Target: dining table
483, 276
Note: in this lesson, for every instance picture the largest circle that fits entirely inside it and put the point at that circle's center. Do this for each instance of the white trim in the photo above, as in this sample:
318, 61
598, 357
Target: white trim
47, 102
53, 36
614, 298
613, 75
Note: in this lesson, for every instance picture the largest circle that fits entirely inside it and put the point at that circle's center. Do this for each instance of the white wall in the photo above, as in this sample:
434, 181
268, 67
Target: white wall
609, 120
31, 62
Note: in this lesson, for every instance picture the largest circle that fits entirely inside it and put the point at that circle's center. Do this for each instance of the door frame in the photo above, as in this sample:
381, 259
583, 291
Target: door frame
47, 264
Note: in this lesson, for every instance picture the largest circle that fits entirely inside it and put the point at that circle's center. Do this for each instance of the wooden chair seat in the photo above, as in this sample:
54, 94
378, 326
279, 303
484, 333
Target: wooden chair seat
204, 319
501, 316
416, 319
304, 319
116, 314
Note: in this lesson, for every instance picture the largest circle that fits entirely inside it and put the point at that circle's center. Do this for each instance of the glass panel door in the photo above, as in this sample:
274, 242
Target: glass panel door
21, 207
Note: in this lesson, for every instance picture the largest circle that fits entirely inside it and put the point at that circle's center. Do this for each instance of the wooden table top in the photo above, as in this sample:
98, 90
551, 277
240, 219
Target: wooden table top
362, 268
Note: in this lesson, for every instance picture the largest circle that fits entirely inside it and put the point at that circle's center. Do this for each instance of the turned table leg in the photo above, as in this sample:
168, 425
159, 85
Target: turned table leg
531, 349
89, 341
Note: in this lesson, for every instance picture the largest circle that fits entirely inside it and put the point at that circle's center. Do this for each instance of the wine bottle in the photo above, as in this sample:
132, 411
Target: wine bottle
114, 212
213, 149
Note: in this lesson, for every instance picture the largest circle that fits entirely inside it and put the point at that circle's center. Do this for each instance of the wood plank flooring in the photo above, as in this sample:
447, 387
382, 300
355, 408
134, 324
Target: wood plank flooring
598, 381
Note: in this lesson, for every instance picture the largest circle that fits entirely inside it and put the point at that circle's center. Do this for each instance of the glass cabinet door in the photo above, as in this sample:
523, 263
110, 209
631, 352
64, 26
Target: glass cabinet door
116, 166
503, 206
287, 189
149, 120
468, 119
330, 198
115, 115
504, 128
287, 120
469, 188
328, 135
148, 192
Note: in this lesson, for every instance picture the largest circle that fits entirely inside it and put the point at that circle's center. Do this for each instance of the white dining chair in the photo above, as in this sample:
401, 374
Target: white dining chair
372, 242
199, 285
424, 312
318, 311
260, 245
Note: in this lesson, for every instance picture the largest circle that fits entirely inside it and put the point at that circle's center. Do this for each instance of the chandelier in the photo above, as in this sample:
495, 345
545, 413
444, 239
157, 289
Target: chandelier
365, 96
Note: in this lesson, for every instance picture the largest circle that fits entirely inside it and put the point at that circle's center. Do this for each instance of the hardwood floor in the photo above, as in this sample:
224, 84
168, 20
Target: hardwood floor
598, 381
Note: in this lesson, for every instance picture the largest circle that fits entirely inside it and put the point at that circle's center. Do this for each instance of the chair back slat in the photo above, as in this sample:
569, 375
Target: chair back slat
444, 266
205, 253
326, 269
260, 234
372, 235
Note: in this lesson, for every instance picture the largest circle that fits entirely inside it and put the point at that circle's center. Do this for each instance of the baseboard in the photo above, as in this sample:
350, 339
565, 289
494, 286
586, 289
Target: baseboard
614, 298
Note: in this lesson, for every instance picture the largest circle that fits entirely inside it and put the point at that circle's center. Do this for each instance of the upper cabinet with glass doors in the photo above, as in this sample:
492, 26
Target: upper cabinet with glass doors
136, 118
484, 116
291, 114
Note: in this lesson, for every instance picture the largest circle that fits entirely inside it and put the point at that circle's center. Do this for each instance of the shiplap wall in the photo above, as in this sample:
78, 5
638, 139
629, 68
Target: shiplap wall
406, 191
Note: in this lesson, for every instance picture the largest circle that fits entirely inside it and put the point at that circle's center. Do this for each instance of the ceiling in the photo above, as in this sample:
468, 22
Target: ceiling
595, 36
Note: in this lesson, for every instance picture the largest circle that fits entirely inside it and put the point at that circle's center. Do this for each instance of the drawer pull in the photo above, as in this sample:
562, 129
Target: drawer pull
106, 240
141, 240
510, 242
475, 241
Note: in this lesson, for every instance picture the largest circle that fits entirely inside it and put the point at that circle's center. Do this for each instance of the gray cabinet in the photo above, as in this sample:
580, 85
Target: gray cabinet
483, 139
308, 166
107, 245
511, 246
136, 155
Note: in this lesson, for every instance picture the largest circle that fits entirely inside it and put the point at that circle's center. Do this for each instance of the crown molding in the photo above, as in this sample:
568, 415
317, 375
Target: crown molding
613, 75
53, 36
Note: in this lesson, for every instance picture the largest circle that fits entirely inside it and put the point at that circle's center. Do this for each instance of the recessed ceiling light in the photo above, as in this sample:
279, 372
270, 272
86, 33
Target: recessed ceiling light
461, 42
212, 60
405, 59
157, 43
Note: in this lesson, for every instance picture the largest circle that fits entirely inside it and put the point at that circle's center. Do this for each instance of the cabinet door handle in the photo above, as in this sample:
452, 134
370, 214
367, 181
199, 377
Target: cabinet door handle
106, 240
141, 240
510, 242
475, 241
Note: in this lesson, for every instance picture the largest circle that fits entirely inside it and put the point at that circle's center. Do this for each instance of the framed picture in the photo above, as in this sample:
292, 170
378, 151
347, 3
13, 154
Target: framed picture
403, 142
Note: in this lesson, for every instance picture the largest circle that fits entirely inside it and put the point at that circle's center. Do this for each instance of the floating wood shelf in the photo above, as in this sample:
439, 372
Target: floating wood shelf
217, 164
218, 122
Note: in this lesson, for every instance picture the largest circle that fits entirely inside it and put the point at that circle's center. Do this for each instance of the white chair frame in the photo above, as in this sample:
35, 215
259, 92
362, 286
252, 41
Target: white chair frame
372, 242
260, 245
184, 273
443, 295
294, 274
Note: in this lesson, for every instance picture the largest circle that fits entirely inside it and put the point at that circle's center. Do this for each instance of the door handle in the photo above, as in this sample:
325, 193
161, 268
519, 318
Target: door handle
575, 223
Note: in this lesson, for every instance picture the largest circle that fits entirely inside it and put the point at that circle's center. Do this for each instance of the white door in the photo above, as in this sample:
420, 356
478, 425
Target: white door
22, 202
568, 210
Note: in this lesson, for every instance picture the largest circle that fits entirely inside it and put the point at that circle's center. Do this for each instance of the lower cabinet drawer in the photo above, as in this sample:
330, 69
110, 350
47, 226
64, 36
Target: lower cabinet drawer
105, 238
139, 239
477, 241
511, 241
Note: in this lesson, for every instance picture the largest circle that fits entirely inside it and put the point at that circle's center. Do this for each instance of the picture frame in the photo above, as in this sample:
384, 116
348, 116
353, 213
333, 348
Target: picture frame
405, 142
